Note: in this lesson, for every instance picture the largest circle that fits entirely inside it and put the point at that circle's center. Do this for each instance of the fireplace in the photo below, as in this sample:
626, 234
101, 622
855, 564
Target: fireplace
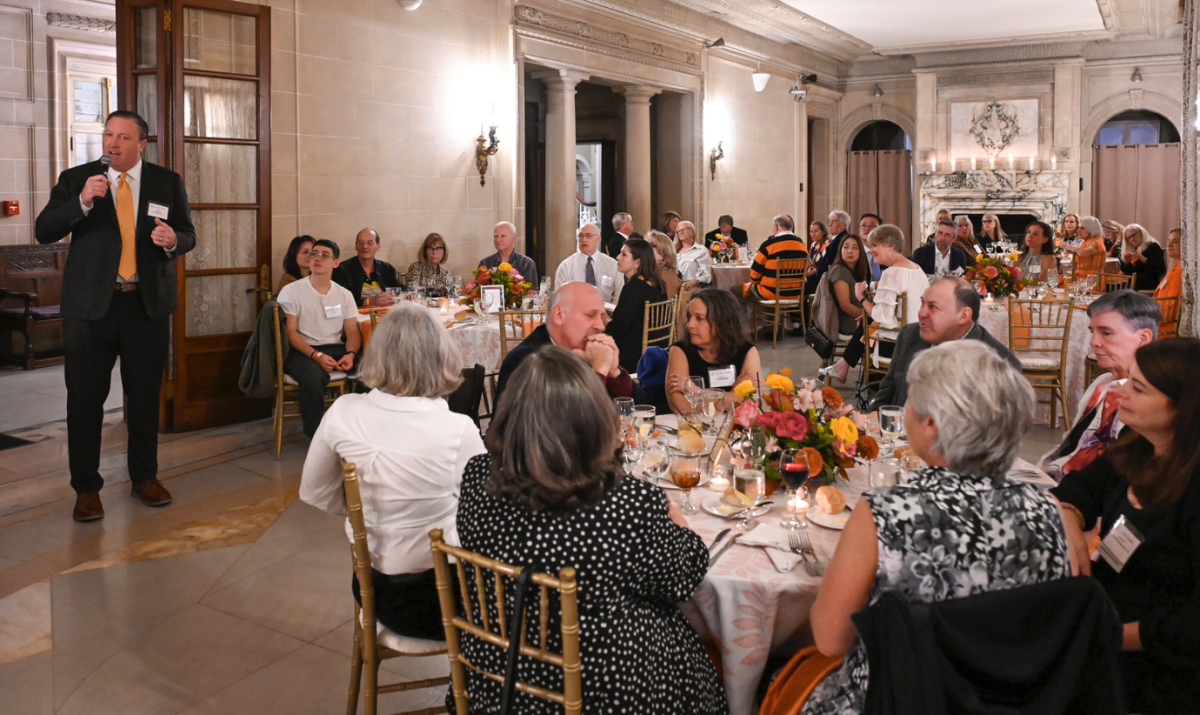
1017, 197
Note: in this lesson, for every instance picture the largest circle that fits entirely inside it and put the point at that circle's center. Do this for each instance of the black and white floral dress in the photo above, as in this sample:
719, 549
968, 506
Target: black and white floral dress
633, 567
942, 536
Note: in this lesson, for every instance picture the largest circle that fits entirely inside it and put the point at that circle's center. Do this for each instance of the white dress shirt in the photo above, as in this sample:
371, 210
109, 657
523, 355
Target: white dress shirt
695, 264
941, 263
609, 280
410, 453
133, 178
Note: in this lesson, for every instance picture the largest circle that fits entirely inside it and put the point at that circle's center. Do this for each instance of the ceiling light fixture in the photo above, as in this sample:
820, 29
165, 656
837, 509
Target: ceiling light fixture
410, 5
719, 42
878, 91
1137, 74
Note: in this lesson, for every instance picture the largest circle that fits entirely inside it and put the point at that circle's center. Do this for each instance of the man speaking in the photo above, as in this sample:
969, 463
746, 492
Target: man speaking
129, 221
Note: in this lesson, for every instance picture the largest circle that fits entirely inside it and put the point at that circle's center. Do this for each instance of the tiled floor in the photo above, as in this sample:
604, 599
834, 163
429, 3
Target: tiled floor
36, 397
233, 599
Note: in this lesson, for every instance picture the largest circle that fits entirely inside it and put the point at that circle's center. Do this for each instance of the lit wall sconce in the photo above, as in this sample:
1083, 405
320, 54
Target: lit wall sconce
410, 5
878, 91
717, 154
485, 147
1137, 74
760, 80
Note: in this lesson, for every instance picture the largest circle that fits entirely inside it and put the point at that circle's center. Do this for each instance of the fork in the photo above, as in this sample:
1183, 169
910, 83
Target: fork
807, 547
794, 541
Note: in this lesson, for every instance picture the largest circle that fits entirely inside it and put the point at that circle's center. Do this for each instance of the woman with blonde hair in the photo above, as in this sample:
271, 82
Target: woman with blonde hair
664, 255
964, 239
1069, 230
1142, 257
1112, 235
990, 233
692, 258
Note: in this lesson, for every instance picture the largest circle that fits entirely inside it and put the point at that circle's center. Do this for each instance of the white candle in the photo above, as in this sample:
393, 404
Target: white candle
1054, 162
933, 164
952, 161
1010, 162
992, 161
443, 310
1031, 166
797, 505
972, 162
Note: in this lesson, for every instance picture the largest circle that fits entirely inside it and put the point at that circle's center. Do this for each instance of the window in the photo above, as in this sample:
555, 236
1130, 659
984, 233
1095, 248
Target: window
1137, 127
92, 90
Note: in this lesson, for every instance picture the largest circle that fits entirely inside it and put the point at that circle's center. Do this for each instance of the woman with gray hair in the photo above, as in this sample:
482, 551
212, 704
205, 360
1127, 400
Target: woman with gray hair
410, 451
694, 259
1091, 233
960, 527
1142, 257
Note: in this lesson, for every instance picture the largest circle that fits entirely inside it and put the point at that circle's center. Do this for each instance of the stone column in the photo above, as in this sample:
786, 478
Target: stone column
637, 155
561, 211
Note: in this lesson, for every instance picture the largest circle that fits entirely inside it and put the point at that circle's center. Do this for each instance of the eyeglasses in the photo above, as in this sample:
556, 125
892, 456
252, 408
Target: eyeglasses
321, 255
437, 248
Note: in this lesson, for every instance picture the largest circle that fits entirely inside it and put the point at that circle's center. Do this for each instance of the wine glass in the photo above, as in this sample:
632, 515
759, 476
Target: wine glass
756, 446
693, 390
714, 403
625, 410
891, 423
654, 460
685, 473
547, 285
632, 449
753, 484
643, 420
793, 467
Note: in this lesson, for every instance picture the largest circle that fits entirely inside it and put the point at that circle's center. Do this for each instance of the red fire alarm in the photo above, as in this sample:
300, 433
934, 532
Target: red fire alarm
11, 208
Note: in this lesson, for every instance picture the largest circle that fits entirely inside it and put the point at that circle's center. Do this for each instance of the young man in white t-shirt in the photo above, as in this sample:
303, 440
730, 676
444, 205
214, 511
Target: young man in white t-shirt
319, 312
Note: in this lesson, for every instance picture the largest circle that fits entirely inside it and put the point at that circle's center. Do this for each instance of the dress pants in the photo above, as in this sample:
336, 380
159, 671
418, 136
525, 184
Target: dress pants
857, 348
91, 348
313, 380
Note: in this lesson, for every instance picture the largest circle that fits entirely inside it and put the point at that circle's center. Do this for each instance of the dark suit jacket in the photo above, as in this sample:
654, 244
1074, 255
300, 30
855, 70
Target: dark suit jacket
893, 390
621, 386
90, 276
350, 275
738, 234
615, 243
927, 259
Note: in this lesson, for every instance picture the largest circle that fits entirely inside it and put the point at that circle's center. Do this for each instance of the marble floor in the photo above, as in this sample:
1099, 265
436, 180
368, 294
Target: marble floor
36, 399
233, 599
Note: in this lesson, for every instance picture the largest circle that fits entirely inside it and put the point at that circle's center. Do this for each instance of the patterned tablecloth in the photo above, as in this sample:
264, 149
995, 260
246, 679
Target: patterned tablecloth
479, 342
731, 276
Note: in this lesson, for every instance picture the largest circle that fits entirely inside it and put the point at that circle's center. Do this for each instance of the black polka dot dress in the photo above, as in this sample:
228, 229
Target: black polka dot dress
633, 567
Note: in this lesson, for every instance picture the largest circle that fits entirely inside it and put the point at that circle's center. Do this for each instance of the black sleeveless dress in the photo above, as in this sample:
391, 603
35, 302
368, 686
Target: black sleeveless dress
715, 372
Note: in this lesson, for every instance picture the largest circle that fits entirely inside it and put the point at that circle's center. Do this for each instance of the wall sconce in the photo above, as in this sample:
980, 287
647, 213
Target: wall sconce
1137, 74
798, 92
714, 156
410, 5
760, 80
483, 149
719, 42
878, 91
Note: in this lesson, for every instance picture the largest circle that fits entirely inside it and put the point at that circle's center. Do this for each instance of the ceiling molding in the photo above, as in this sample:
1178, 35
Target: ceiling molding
1024, 41
1110, 14
620, 44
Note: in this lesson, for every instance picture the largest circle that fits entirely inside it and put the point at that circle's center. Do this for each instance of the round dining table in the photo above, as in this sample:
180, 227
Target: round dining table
731, 276
479, 342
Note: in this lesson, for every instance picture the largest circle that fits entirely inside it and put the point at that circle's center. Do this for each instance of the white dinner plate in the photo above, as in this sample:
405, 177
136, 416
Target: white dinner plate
829, 521
717, 507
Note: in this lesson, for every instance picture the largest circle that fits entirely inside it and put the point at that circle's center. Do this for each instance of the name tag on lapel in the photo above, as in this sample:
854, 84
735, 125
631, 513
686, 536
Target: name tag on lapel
158, 211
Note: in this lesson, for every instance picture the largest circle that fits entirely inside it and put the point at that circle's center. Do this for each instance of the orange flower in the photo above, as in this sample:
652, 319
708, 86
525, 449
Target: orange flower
815, 463
833, 398
786, 372
868, 448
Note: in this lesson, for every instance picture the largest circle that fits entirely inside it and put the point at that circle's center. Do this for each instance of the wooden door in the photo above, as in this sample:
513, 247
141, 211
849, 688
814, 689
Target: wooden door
208, 88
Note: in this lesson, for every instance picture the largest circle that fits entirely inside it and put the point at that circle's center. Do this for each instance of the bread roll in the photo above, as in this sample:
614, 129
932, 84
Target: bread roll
691, 442
831, 500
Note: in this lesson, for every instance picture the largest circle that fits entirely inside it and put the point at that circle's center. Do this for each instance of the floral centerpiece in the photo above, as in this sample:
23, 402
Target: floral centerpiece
806, 417
996, 277
723, 249
515, 286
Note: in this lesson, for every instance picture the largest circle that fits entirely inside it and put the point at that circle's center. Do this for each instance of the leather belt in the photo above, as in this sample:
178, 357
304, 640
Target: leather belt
126, 287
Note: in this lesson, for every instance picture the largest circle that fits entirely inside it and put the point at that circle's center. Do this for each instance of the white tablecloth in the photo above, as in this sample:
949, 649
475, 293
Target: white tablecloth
731, 276
479, 342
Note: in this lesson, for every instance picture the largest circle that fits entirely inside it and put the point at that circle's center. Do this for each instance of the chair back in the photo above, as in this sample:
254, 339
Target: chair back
790, 276
796, 681
364, 613
658, 324
476, 596
1040, 326
278, 349
1110, 282
466, 399
516, 325
1168, 324
1089, 265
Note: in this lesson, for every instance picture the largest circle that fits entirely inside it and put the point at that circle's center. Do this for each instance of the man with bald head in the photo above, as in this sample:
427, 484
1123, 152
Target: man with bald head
575, 321
365, 276
589, 265
504, 238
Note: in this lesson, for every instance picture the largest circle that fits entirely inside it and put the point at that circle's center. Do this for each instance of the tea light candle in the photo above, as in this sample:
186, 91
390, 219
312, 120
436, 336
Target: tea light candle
796, 505
719, 483
443, 310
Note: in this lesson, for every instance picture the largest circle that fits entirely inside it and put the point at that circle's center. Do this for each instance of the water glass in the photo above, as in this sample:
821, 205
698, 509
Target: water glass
625, 410
753, 484
891, 422
654, 460
643, 420
632, 449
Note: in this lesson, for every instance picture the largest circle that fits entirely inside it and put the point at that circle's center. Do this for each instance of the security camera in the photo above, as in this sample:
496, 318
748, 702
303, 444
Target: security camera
799, 93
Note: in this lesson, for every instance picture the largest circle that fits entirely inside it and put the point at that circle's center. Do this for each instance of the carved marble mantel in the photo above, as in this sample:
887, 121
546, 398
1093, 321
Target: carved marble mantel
1039, 193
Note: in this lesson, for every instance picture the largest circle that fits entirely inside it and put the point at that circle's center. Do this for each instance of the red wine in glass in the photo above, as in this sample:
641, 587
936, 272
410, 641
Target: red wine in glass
795, 475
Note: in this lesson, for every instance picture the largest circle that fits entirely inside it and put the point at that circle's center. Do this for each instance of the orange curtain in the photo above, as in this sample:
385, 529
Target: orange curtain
880, 182
1138, 184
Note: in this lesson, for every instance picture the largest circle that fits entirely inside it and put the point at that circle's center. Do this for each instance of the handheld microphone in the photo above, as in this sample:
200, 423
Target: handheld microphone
105, 161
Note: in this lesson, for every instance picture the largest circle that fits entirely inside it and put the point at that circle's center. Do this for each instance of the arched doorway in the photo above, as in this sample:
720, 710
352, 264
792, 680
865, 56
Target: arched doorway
879, 173
1136, 171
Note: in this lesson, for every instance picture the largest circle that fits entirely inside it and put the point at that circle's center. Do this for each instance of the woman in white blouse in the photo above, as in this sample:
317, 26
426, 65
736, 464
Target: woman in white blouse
410, 451
902, 276
695, 263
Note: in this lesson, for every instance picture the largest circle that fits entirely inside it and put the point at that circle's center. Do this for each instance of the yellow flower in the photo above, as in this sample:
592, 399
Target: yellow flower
506, 267
843, 428
743, 389
1014, 256
779, 382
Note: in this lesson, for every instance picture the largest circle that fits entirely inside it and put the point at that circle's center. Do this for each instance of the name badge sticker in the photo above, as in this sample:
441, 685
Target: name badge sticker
1119, 545
158, 211
606, 281
721, 376
333, 311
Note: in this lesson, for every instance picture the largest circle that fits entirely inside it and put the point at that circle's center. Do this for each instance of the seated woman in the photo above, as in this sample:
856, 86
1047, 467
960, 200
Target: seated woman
551, 490
1092, 234
966, 414
642, 286
1037, 255
1070, 228
1142, 257
1112, 237
1172, 284
847, 270
664, 258
295, 262
694, 260
1149, 479
714, 348
410, 450
990, 234
670, 222
901, 277
964, 239
429, 266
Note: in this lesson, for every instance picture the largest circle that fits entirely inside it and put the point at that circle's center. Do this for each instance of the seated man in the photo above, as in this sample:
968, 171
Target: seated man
949, 311
726, 228
783, 245
1121, 322
941, 257
366, 277
589, 265
575, 321
504, 238
319, 312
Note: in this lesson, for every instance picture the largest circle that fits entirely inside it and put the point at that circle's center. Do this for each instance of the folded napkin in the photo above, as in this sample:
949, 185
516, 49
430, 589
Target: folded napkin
775, 539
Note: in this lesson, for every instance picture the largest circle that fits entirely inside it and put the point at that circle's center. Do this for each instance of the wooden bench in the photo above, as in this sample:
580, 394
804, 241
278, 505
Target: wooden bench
31, 280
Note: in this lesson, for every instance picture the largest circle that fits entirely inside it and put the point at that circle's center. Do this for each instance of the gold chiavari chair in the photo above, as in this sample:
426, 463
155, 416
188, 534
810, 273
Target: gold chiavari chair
875, 365
1039, 332
1088, 265
516, 325
1168, 323
287, 390
658, 324
373, 642
790, 275
1109, 282
497, 635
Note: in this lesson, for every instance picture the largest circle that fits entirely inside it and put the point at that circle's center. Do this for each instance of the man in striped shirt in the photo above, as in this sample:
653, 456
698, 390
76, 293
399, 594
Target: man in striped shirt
784, 245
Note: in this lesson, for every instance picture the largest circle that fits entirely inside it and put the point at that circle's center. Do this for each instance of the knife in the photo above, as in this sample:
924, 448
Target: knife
723, 549
717, 540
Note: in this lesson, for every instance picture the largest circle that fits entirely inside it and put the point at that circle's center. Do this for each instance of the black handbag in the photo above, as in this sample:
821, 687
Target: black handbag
819, 342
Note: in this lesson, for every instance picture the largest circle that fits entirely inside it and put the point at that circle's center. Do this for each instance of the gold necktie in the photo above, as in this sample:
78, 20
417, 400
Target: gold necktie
128, 222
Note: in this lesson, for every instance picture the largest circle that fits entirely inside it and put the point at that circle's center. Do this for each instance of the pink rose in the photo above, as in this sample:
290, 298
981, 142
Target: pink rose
842, 449
469, 287
769, 420
792, 425
745, 413
1016, 273
990, 271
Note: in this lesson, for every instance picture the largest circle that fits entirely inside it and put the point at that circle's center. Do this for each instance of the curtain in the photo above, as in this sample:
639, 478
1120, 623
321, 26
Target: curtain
1190, 320
1138, 184
880, 182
